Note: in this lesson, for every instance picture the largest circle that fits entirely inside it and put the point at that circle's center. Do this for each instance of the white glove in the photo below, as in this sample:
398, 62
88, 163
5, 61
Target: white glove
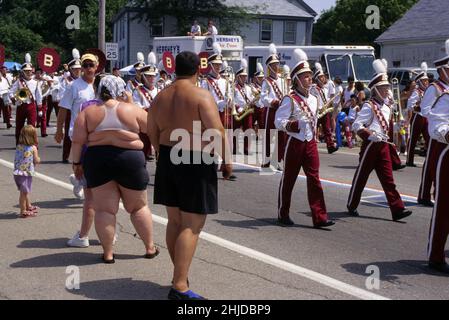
239, 110
40, 113
374, 137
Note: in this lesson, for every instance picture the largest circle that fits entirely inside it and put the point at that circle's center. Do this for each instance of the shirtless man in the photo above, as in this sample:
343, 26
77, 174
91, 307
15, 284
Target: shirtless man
188, 191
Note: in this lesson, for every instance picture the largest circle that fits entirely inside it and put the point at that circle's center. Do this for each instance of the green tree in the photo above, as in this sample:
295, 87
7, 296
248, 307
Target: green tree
29, 25
346, 22
87, 35
230, 18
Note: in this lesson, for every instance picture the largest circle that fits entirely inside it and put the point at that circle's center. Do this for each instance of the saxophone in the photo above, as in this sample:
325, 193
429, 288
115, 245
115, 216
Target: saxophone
327, 108
249, 107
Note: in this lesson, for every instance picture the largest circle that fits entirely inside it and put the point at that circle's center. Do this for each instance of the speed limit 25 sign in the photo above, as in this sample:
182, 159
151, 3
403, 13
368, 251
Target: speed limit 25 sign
111, 51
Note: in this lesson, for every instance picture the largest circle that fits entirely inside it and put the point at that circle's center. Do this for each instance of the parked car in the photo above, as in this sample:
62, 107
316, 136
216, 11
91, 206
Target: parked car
404, 75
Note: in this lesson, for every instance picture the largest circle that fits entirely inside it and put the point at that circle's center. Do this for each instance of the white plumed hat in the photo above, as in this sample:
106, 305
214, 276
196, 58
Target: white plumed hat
444, 62
301, 64
380, 77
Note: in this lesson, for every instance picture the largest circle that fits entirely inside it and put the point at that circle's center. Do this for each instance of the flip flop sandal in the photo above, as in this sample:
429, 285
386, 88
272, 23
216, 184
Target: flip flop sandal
33, 208
111, 261
27, 214
152, 255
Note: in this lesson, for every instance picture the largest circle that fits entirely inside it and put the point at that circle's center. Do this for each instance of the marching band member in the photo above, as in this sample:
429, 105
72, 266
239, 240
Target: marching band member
297, 116
259, 111
271, 97
30, 99
372, 125
418, 124
64, 114
244, 100
396, 161
53, 97
44, 83
218, 86
321, 91
6, 81
134, 84
438, 116
148, 91
432, 95
163, 77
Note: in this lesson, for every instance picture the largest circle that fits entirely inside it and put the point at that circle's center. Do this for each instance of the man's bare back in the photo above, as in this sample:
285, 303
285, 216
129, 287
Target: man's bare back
179, 107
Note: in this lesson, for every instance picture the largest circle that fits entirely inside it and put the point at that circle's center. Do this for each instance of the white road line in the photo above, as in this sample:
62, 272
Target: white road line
329, 183
356, 154
275, 262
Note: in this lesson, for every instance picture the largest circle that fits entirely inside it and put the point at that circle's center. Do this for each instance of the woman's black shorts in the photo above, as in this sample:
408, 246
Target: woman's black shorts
188, 186
127, 167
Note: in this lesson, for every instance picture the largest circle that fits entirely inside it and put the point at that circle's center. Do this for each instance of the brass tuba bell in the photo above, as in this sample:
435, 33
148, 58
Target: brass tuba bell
23, 95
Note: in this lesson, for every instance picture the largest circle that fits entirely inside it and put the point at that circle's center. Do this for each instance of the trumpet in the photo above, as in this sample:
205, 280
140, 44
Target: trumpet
23, 95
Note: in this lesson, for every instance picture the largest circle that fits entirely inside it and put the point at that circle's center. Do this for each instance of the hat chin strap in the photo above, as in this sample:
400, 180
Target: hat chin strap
444, 70
215, 73
272, 71
299, 83
421, 85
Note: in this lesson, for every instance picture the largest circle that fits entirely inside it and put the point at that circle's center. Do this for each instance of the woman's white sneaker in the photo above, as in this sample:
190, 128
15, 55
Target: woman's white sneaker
78, 242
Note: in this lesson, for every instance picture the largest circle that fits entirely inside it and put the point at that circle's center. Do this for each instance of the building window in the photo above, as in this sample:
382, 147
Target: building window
156, 28
289, 31
266, 30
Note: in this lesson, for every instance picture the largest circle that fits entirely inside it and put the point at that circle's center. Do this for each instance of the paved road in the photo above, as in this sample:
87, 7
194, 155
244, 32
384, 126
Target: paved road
243, 253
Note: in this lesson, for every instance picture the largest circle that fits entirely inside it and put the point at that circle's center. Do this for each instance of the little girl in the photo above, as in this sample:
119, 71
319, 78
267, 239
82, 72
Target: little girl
25, 159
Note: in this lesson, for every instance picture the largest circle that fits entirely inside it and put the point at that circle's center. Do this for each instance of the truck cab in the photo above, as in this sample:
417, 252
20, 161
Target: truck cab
232, 46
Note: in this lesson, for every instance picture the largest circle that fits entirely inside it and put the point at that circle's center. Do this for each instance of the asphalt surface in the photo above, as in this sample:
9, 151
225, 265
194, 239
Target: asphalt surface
243, 253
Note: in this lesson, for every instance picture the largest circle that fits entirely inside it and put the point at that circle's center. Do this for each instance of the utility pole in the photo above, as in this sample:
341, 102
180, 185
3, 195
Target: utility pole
102, 25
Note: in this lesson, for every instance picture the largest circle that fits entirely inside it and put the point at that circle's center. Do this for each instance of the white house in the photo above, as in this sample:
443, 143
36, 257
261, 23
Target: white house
283, 22
418, 36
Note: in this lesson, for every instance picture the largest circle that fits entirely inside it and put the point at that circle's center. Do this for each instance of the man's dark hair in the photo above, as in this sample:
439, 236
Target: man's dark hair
186, 64
359, 86
350, 79
338, 81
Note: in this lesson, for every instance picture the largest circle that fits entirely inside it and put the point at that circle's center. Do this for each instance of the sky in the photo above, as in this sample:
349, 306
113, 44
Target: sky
319, 5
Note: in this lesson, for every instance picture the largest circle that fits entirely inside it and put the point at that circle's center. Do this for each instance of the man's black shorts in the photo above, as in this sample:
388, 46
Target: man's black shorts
187, 186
